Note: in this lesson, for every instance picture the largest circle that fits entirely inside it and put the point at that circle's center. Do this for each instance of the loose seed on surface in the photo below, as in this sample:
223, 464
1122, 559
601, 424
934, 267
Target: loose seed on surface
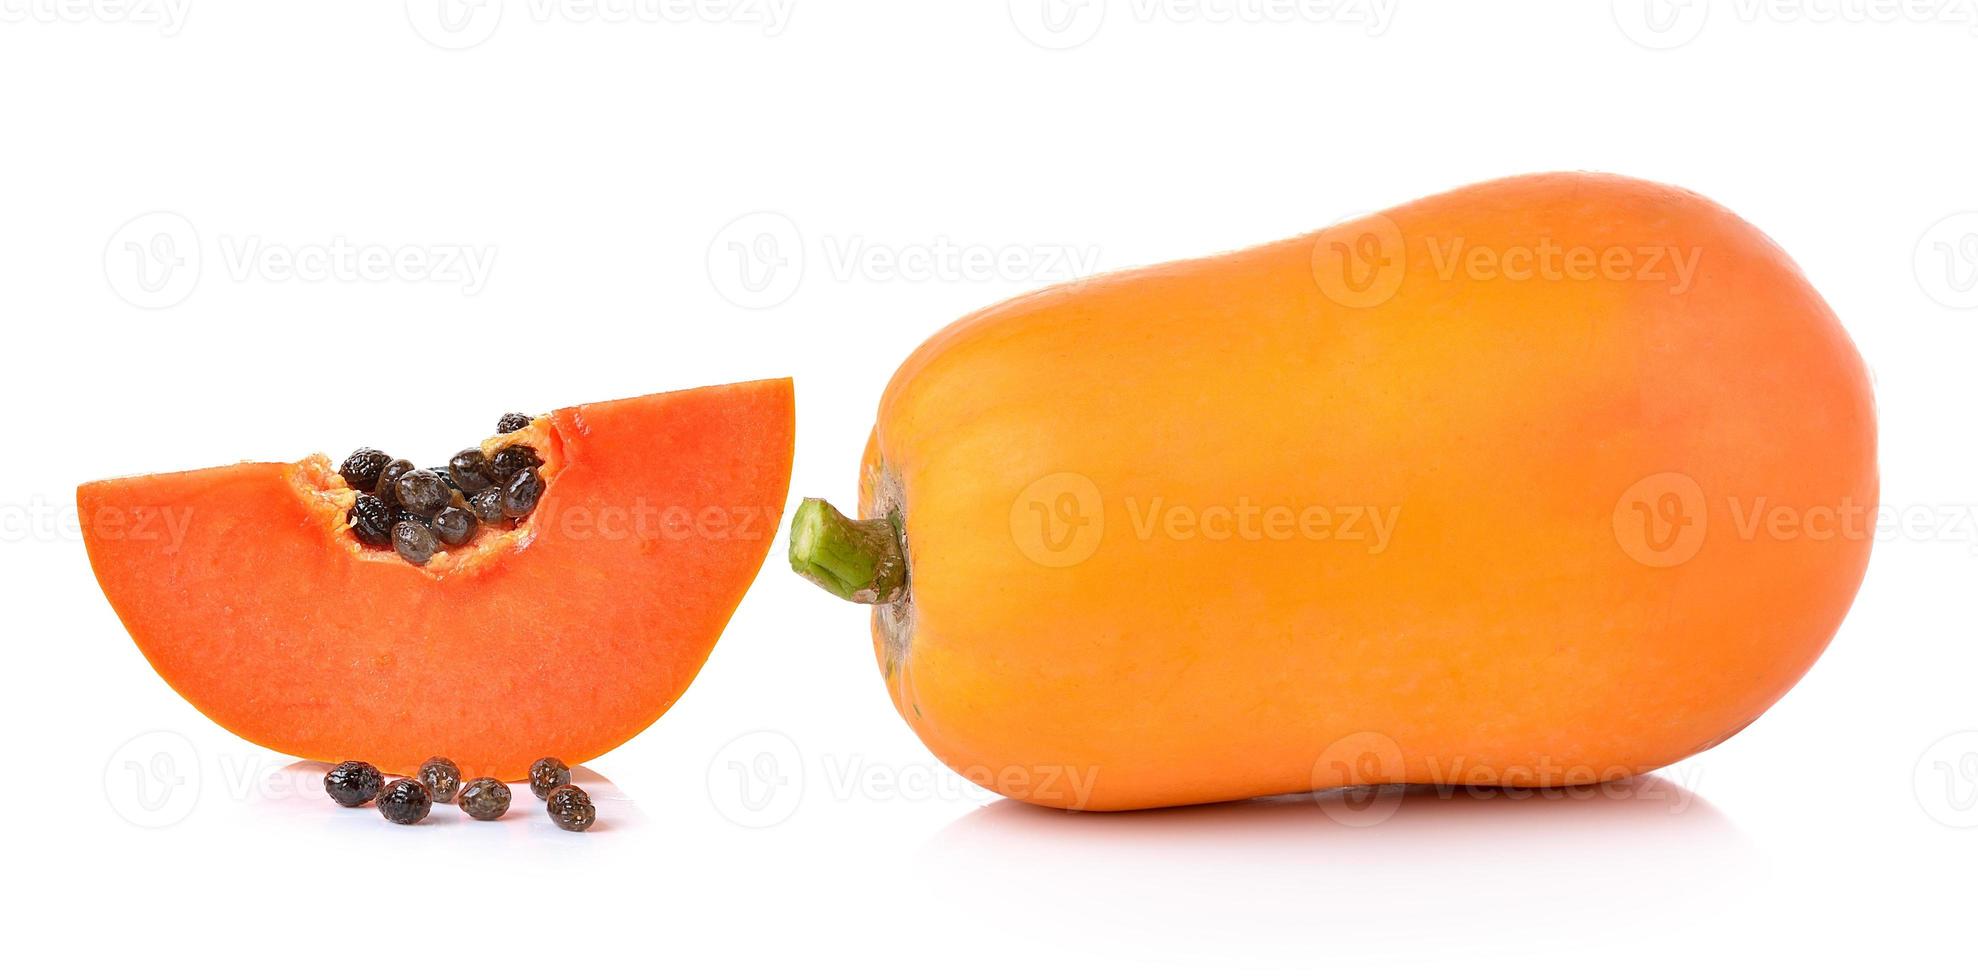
362, 467
570, 807
442, 778
485, 798
512, 422
546, 774
353, 783
405, 801
413, 541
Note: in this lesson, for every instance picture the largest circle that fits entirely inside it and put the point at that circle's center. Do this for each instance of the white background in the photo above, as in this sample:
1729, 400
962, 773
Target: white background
615, 167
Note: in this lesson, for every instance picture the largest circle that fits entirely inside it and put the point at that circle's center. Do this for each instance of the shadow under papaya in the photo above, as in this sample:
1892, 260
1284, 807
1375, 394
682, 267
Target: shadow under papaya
1354, 872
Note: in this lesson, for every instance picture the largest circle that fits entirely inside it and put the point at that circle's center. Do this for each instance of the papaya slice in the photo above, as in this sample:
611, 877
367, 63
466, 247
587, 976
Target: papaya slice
565, 635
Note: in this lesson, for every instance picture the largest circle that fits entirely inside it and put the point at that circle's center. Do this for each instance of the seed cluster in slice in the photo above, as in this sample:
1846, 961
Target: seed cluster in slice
418, 511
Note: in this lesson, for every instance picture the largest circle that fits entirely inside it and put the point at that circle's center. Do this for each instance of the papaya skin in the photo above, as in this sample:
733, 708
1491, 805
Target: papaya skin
1125, 505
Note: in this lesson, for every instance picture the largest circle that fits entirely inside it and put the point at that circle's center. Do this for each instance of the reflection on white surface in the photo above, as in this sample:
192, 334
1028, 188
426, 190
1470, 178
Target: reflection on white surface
1266, 874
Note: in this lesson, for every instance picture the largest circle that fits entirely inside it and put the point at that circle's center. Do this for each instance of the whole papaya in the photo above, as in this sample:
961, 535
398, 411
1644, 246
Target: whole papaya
1540, 482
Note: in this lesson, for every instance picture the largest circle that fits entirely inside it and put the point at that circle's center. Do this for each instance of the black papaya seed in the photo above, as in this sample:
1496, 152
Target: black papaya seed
547, 773
486, 505
442, 778
423, 492
405, 801
511, 461
414, 542
521, 493
388, 479
469, 470
454, 526
370, 520
485, 798
362, 467
353, 783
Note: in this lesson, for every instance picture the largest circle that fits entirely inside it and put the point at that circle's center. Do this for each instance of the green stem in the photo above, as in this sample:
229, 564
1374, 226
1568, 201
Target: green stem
862, 561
